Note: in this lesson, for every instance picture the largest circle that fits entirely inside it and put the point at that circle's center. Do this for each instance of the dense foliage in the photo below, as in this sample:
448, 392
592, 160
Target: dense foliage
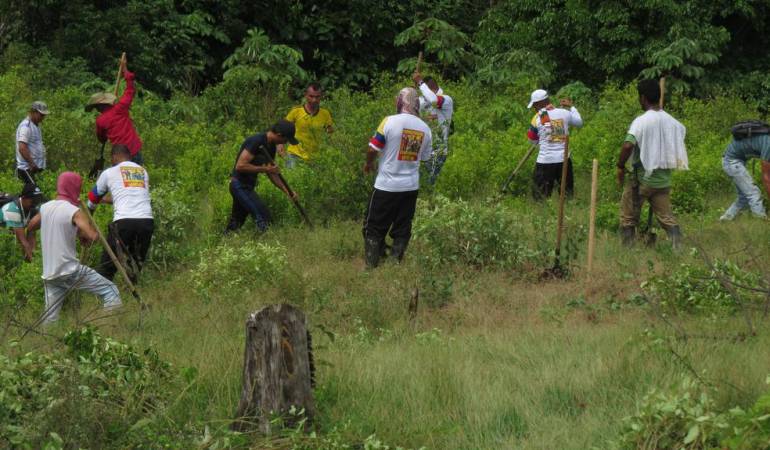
704, 46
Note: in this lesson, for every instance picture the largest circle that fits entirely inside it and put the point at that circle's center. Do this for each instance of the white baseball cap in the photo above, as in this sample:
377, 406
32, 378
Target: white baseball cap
537, 96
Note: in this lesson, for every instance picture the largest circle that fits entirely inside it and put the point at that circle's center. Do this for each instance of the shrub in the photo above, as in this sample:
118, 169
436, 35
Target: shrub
686, 417
235, 266
478, 236
697, 289
682, 418
91, 392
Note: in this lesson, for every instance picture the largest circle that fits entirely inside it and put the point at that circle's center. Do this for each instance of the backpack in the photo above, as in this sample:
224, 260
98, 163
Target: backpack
6, 198
749, 128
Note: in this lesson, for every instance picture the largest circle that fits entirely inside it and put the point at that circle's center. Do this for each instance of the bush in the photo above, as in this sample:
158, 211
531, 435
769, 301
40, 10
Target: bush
88, 395
697, 289
682, 418
235, 266
686, 417
473, 235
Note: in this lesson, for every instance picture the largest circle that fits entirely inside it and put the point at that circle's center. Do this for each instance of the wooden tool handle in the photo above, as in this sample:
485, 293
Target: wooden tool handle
120, 73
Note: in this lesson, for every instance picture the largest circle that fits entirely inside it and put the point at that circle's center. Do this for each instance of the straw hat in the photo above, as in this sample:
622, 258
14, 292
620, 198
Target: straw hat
101, 98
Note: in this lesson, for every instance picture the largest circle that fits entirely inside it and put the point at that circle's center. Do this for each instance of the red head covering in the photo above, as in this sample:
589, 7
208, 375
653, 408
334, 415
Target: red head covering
68, 187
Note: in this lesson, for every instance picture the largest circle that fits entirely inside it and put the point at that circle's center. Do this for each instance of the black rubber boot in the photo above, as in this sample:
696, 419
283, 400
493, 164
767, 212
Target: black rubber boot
675, 234
628, 234
398, 249
372, 252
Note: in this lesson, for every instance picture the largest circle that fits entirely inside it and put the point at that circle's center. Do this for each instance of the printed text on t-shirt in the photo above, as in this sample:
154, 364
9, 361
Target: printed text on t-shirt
557, 130
411, 141
132, 177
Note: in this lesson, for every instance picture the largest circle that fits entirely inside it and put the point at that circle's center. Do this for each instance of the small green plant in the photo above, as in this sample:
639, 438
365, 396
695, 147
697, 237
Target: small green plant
697, 289
93, 384
473, 235
684, 418
234, 267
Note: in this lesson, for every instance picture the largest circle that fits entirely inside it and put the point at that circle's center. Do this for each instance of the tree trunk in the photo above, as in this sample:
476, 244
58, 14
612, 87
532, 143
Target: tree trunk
277, 370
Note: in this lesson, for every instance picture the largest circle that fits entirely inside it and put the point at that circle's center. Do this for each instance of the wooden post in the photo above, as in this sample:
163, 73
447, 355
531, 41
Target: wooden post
113, 257
277, 369
662, 84
419, 62
592, 219
120, 73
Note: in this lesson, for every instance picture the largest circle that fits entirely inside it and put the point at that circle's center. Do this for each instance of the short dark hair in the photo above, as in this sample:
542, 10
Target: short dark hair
120, 149
431, 82
649, 89
316, 86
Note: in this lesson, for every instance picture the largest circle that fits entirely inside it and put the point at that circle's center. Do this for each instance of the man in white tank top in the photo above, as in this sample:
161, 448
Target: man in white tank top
61, 222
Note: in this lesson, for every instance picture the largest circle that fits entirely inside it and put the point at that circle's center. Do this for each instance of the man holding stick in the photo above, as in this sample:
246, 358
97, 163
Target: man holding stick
114, 121
438, 108
132, 224
655, 147
61, 221
550, 130
30, 150
738, 152
256, 156
401, 142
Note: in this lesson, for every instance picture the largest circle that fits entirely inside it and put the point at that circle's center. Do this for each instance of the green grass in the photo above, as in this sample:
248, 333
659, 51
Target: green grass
495, 358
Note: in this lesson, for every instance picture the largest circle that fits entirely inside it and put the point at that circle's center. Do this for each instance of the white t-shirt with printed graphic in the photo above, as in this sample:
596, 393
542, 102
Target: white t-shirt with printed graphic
30, 134
438, 107
551, 127
129, 185
403, 140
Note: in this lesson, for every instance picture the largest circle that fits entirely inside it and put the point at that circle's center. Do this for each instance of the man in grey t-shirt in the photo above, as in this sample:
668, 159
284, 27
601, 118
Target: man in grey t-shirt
30, 151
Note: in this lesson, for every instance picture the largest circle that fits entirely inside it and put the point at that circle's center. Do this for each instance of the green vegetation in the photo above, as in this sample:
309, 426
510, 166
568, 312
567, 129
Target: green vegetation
654, 349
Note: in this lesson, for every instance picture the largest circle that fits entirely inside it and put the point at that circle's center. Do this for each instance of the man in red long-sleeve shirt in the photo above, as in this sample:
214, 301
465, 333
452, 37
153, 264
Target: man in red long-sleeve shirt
114, 119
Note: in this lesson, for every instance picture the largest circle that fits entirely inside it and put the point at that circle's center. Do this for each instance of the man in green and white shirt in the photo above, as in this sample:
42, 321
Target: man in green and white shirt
654, 145
16, 214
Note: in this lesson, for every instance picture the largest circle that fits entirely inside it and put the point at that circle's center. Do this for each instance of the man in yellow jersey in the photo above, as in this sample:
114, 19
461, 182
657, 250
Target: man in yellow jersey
311, 122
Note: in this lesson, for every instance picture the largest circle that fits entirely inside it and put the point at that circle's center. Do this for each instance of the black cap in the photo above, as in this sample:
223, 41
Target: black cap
286, 129
30, 190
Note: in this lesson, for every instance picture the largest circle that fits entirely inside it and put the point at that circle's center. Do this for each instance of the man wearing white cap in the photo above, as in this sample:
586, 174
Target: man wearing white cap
549, 129
30, 151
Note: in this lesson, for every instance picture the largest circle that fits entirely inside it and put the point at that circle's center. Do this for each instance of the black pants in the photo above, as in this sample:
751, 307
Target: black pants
135, 234
548, 176
392, 211
26, 176
246, 203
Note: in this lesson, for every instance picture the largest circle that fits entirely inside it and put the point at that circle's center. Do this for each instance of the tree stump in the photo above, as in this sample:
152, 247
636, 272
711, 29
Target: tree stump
277, 369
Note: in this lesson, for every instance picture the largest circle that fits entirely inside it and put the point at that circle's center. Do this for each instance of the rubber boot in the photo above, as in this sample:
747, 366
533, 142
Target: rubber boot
398, 249
372, 252
675, 234
628, 234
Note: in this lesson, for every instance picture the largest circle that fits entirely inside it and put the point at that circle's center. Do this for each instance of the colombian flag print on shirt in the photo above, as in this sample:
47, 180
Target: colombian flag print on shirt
377, 141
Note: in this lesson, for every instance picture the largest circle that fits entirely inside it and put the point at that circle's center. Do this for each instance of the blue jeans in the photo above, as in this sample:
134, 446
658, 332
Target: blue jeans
748, 193
84, 279
246, 203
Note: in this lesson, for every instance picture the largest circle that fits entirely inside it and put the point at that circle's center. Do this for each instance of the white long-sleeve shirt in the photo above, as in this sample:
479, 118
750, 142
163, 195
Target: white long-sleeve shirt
437, 107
